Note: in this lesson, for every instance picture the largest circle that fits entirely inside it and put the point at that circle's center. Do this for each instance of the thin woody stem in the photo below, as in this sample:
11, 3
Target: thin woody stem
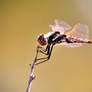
31, 77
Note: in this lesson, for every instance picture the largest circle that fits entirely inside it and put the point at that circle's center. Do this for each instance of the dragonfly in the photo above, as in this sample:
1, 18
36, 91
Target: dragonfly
61, 34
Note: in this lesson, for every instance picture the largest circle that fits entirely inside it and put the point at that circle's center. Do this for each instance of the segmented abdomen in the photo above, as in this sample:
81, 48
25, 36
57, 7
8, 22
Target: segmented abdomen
78, 40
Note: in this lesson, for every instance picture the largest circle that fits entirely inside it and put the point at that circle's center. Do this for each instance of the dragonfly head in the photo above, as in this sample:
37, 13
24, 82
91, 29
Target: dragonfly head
42, 40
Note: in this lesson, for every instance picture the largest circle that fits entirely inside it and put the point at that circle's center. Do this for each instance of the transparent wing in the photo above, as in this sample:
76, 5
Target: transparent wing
57, 28
80, 31
63, 24
70, 45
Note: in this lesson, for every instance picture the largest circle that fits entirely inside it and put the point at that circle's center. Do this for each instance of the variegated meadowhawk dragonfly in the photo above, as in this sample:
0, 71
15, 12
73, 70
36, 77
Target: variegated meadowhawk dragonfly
59, 36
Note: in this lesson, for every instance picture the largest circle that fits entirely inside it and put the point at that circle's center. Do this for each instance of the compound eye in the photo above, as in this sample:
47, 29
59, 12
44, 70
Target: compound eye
41, 40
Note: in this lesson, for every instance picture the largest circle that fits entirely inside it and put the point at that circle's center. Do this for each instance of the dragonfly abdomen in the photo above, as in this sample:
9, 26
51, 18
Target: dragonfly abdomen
78, 40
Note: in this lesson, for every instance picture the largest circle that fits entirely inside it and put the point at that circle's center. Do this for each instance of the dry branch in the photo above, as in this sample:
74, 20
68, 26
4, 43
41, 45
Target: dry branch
31, 76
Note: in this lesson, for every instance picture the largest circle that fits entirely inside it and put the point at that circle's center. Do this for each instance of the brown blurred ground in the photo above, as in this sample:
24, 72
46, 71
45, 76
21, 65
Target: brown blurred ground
68, 70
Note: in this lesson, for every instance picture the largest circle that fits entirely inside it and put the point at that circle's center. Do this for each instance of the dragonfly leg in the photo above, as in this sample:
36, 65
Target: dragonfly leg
46, 58
39, 47
42, 58
42, 50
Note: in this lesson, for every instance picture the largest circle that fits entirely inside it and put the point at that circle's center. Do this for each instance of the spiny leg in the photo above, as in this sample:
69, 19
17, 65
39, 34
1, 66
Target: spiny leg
42, 61
42, 50
46, 51
47, 58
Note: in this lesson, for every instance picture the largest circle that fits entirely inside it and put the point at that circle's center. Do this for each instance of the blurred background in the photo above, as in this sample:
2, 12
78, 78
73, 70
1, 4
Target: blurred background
21, 21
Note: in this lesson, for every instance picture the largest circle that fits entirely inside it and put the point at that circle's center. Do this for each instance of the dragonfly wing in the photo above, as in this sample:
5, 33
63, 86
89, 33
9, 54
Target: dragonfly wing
80, 31
70, 45
57, 28
63, 24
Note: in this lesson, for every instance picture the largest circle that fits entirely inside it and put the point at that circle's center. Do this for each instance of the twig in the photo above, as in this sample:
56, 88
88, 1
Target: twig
31, 77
